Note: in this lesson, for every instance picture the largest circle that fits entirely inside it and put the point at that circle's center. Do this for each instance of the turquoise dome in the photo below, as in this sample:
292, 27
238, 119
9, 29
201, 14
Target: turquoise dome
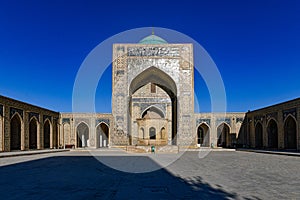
153, 39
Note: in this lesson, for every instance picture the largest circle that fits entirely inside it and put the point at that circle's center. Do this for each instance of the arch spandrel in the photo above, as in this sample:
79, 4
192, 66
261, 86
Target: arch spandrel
156, 76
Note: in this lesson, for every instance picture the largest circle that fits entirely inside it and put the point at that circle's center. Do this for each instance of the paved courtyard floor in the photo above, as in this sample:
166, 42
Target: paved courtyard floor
218, 175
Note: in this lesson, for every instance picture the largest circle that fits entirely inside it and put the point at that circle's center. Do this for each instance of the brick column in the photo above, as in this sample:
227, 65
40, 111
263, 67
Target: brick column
280, 130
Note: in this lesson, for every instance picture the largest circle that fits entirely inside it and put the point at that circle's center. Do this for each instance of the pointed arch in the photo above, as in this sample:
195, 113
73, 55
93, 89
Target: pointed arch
203, 135
290, 133
165, 82
15, 132
82, 134
33, 133
158, 113
47, 133
152, 133
258, 135
102, 135
223, 133
272, 130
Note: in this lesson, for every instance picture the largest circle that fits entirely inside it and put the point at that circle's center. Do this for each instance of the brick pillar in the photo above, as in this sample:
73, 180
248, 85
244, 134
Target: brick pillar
298, 128
26, 131
6, 123
92, 132
1, 134
213, 132
265, 132
280, 131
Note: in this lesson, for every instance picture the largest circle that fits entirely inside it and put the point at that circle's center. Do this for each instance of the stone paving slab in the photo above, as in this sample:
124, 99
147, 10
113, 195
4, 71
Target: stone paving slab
286, 153
218, 175
31, 152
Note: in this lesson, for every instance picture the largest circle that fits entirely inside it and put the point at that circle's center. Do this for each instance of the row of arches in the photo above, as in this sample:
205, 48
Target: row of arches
290, 134
16, 131
153, 134
83, 135
223, 135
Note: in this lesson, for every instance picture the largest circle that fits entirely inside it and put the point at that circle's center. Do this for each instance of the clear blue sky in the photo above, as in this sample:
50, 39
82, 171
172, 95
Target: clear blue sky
255, 44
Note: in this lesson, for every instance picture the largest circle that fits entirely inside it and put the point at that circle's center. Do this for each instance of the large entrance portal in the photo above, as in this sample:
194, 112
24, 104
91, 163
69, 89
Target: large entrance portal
153, 75
156, 91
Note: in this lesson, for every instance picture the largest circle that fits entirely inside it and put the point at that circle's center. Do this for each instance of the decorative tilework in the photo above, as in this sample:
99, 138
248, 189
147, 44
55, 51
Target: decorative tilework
292, 111
47, 117
16, 110
199, 121
66, 120
99, 120
33, 114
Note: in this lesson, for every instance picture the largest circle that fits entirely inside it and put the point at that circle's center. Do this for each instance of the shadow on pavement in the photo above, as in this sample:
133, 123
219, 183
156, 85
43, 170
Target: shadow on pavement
84, 177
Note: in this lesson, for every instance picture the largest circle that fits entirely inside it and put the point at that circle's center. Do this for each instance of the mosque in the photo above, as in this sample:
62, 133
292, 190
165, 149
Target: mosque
152, 105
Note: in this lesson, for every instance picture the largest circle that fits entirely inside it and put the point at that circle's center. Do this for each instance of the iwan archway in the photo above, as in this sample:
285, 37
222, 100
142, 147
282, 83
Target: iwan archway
161, 97
153, 73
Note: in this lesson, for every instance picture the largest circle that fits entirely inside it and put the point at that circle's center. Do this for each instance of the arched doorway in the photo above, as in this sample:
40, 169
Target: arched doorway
152, 133
102, 135
272, 134
82, 135
33, 134
223, 131
290, 133
258, 135
203, 135
157, 77
47, 130
15, 133
162, 133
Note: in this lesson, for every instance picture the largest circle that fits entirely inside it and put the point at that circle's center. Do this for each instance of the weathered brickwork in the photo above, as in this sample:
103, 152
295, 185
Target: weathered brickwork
220, 129
170, 66
70, 129
16, 117
275, 127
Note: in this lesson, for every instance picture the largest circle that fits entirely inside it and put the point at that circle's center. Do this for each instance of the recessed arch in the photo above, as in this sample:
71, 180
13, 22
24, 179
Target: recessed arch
152, 133
33, 129
102, 133
290, 133
47, 133
153, 112
203, 135
223, 133
258, 135
272, 130
156, 76
82, 134
15, 132
165, 82
163, 133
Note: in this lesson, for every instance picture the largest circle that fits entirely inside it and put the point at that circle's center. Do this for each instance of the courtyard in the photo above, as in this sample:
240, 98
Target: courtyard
219, 175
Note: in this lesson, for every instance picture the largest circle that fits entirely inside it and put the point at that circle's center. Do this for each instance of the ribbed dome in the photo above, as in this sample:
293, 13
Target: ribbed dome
153, 39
